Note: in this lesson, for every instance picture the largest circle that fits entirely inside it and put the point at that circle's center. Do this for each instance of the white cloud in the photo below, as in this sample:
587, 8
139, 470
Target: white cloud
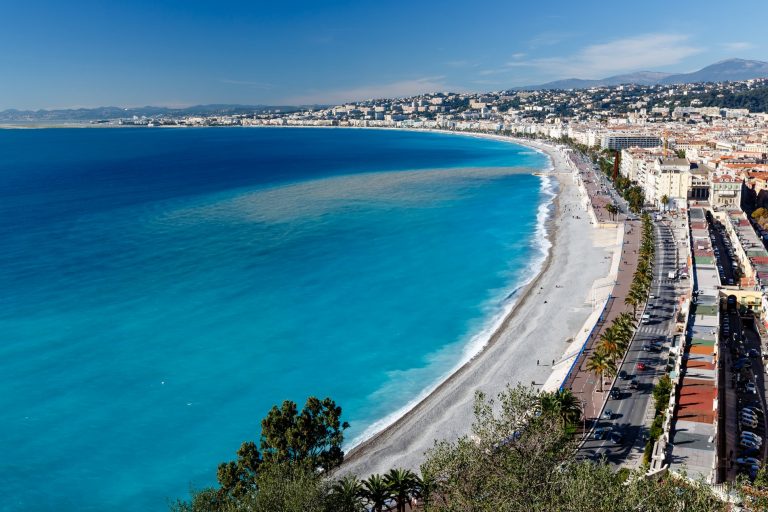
638, 53
401, 88
738, 45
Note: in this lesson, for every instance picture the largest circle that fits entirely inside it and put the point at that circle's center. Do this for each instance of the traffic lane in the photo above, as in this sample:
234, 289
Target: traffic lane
628, 412
628, 416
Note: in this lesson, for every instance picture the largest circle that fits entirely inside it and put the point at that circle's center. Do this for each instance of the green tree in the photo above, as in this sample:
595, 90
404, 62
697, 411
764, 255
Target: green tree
347, 495
376, 492
665, 201
564, 405
609, 343
238, 479
404, 484
601, 364
314, 435
536, 471
661, 392
288, 487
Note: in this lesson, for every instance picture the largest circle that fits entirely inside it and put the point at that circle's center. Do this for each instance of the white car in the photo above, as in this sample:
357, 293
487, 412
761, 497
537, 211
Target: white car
750, 387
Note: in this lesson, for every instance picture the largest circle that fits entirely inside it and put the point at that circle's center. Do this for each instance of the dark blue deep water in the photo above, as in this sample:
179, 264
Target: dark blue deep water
161, 289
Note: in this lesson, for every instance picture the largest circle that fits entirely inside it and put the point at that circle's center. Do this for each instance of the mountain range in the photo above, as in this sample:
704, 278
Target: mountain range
723, 71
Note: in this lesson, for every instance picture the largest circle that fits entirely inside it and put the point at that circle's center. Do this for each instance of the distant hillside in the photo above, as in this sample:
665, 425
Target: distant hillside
102, 113
723, 71
639, 78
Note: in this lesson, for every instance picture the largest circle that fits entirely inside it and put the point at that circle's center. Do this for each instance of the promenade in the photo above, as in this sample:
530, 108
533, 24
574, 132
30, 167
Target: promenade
583, 383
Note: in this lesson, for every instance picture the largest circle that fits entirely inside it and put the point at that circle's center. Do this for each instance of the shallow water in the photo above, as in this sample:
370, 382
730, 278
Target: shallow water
163, 288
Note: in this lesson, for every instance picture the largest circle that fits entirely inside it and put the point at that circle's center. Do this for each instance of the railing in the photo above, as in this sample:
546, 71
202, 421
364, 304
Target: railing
577, 359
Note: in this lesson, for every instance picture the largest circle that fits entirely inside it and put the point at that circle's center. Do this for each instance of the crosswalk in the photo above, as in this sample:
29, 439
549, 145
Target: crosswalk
653, 329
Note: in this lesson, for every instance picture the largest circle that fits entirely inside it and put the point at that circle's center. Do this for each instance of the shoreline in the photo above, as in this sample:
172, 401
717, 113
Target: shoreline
359, 458
488, 334
482, 338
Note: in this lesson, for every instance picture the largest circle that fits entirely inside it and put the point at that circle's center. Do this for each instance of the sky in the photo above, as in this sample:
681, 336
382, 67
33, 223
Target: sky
78, 53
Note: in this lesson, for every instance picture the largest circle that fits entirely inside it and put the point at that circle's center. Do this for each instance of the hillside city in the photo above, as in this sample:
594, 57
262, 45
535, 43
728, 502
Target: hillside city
688, 395
694, 156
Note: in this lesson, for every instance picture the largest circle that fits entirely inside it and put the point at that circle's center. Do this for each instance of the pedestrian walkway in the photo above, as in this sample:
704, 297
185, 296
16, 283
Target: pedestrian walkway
583, 383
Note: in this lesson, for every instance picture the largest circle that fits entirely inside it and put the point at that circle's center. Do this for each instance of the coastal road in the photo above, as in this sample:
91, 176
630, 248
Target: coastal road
633, 411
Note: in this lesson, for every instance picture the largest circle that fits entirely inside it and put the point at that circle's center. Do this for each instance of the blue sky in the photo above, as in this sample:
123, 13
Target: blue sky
57, 54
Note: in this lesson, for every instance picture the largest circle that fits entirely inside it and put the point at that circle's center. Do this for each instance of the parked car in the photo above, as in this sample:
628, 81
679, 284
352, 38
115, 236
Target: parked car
746, 443
751, 435
749, 415
749, 422
753, 353
616, 437
750, 388
748, 461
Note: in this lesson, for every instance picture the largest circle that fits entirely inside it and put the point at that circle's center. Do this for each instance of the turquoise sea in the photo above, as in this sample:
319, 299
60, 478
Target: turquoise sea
163, 288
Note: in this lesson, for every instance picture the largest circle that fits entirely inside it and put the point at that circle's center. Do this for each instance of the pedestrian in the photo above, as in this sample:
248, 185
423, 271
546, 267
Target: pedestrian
553, 362
537, 362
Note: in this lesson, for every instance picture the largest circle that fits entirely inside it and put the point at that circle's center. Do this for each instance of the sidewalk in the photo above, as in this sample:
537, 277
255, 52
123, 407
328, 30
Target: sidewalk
583, 383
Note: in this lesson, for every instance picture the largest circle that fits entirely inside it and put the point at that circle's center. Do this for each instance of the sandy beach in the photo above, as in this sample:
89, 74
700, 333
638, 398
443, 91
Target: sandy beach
549, 315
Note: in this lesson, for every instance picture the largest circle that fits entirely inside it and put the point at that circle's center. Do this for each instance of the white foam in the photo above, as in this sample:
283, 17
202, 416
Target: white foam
542, 244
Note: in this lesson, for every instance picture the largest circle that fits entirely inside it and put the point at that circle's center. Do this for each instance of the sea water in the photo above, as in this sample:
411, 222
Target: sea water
161, 289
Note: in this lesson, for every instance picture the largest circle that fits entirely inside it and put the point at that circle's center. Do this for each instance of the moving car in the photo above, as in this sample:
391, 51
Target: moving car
623, 375
634, 384
641, 366
615, 393
600, 433
607, 414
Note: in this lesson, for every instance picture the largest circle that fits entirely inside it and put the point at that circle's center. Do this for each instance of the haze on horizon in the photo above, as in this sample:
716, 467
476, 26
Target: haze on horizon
178, 53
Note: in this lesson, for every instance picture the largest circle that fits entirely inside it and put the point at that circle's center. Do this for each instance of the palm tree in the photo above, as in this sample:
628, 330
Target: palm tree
632, 300
376, 492
665, 200
609, 343
564, 404
600, 364
625, 320
403, 483
347, 495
